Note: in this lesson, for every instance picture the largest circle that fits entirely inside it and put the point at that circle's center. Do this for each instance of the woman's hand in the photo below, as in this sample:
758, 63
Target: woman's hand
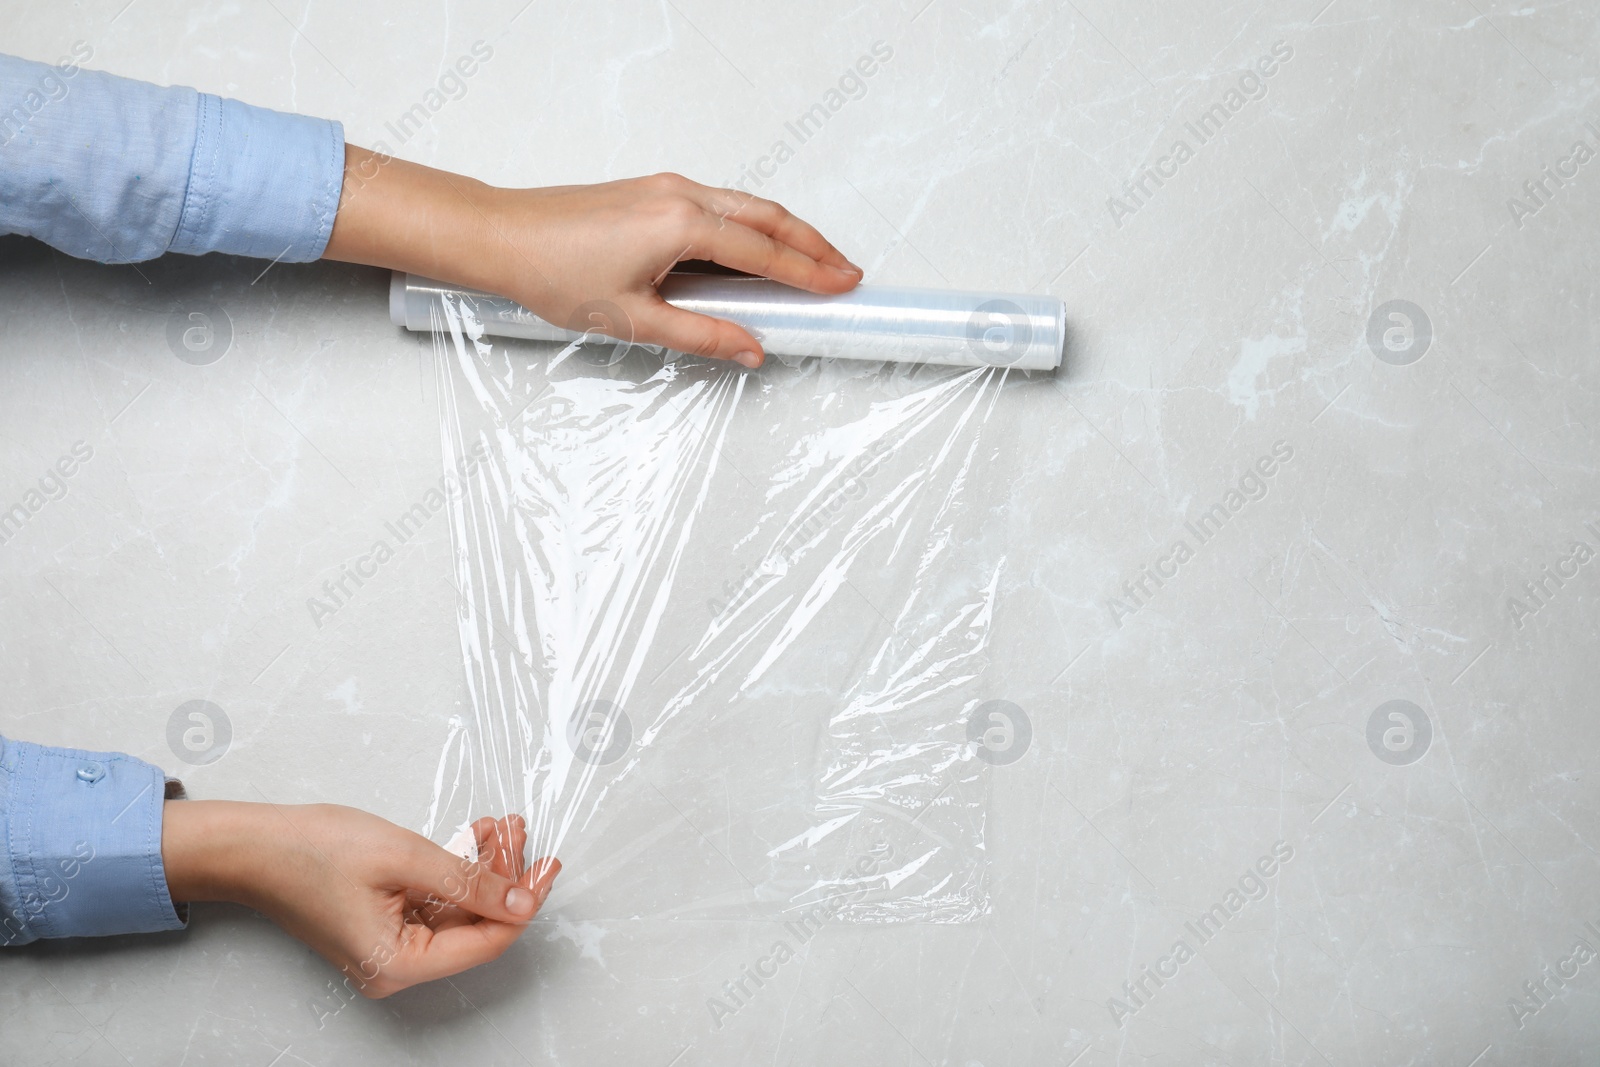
578, 255
386, 906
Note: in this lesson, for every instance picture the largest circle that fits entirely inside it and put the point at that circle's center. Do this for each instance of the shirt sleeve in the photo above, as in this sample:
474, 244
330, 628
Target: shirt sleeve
81, 839
117, 170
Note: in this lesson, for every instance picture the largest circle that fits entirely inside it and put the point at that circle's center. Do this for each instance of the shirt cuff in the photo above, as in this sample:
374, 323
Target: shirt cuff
262, 183
82, 838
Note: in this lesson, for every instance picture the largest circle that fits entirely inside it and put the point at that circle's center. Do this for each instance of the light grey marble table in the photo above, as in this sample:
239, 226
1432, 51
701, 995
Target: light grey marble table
1347, 240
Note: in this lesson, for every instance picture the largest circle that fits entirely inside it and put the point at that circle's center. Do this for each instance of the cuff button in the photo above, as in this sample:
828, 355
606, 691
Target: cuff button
91, 773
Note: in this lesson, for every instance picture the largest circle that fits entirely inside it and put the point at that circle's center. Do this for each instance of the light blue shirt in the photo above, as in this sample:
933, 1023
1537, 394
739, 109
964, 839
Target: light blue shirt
80, 844
116, 170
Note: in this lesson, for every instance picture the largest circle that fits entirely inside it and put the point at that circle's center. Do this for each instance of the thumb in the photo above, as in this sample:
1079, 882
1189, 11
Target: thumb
472, 886
698, 335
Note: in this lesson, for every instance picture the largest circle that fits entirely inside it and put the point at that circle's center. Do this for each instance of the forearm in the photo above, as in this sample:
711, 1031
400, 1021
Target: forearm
408, 217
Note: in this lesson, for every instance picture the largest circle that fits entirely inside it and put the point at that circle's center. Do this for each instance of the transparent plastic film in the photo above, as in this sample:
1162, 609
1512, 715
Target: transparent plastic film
723, 632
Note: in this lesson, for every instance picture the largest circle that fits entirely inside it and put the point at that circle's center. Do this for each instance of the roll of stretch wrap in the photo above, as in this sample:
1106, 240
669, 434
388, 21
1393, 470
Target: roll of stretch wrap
871, 322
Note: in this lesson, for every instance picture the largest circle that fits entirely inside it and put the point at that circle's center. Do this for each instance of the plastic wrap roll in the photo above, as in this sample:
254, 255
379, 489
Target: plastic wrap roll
871, 322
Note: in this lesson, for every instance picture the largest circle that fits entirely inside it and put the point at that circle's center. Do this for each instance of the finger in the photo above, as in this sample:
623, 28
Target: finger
514, 830
776, 221
474, 887
659, 323
501, 843
738, 246
488, 848
437, 914
430, 954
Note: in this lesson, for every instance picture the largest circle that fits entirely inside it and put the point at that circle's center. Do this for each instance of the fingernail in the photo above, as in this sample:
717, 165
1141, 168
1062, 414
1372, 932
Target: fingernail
848, 272
520, 901
748, 359
548, 876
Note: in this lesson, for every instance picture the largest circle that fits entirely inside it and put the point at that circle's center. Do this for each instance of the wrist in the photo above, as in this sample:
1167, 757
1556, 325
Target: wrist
215, 850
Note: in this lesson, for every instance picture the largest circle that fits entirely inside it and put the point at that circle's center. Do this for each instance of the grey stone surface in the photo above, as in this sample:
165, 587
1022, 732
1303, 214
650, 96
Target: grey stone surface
1179, 735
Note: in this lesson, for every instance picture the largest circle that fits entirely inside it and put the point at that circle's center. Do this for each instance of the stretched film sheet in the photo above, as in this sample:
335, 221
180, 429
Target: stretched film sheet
725, 634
